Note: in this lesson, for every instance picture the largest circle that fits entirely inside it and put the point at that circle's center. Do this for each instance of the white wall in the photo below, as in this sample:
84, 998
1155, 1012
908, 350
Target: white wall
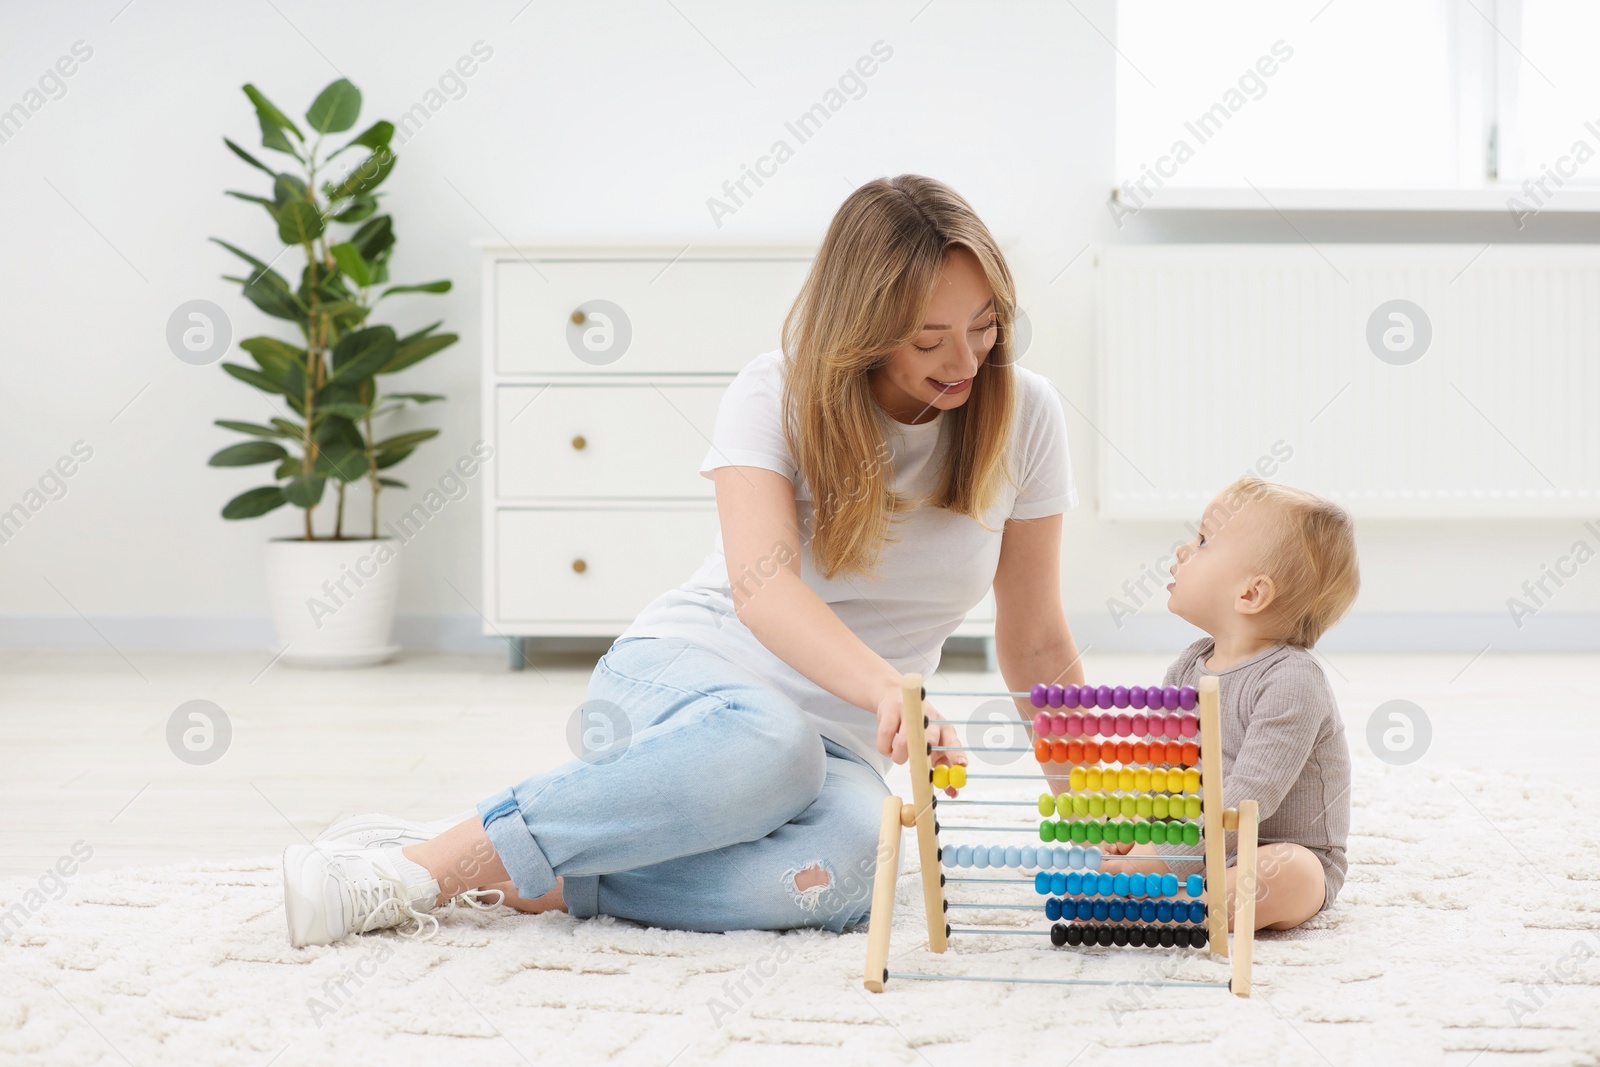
591, 122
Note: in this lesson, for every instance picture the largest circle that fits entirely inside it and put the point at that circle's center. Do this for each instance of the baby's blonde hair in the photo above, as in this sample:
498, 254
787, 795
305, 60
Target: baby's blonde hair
1312, 560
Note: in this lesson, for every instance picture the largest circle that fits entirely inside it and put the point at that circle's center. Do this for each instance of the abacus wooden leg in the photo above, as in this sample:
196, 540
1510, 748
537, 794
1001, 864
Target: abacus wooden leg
920, 767
1211, 815
1244, 898
883, 885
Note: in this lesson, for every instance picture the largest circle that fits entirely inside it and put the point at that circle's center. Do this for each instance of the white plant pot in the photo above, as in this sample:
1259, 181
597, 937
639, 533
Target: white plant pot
333, 601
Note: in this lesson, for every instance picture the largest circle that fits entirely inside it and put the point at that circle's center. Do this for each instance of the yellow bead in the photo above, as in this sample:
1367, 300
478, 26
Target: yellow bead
1079, 779
958, 776
941, 776
1191, 781
1130, 806
1046, 805
1141, 779
1097, 805
1095, 779
1144, 806
1064, 805
1125, 779
1080, 804
1158, 780
1158, 807
1192, 807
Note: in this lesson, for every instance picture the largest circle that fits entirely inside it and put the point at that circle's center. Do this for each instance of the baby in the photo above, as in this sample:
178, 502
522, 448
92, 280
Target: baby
1269, 571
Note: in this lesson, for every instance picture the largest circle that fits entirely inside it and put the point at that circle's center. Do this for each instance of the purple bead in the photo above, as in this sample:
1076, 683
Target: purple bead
1069, 696
1041, 724
1119, 697
1136, 697
1052, 696
1187, 697
1086, 696
1036, 695
1102, 697
1169, 698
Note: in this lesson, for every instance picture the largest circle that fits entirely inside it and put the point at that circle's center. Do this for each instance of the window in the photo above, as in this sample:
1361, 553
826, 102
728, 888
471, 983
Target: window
1356, 94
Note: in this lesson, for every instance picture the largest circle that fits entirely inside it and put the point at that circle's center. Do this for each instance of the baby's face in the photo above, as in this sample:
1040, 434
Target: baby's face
1215, 567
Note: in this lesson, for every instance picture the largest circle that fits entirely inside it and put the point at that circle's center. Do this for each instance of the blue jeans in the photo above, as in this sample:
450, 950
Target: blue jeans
697, 797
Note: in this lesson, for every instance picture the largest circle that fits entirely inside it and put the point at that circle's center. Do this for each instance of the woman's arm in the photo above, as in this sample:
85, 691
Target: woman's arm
761, 538
1032, 640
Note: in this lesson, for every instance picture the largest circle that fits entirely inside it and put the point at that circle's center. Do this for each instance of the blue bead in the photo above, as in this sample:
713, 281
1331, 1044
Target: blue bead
1091, 859
1052, 909
1041, 883
1169, 885
964, 856
1075, 857
949, 855
1115, 911
1108, 884
1163, 912
1119, 885
980, 856
1058, 883
1147, 911
1013, 856
1136, 885
1101, 911
1194, 885
1074, 883
1063, 857
1197, 910
1029, 857
1085, 908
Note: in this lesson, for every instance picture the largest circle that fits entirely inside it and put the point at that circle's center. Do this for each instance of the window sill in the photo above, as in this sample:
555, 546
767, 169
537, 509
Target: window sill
1571, 199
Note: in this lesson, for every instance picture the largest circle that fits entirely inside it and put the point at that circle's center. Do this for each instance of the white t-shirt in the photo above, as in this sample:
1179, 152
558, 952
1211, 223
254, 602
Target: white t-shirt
940, 568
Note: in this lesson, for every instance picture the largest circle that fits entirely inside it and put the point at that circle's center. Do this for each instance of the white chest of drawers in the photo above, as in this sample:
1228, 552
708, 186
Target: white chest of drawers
602, 371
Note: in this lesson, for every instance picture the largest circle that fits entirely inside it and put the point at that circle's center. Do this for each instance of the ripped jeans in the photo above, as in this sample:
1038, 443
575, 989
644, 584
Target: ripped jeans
700, 800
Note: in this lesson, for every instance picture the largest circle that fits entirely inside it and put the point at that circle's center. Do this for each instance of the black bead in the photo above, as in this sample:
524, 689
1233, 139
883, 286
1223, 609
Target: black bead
946, 904
886, 975
940, 856
1136, 937
936, 826
946, 929
1168, 937
1091, 936
1119, 936
924, 692
941, 874
1058, 934
1201, 936
1074, 934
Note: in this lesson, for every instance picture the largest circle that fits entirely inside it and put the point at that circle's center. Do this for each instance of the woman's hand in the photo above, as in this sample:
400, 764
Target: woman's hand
892, 735
1139, 859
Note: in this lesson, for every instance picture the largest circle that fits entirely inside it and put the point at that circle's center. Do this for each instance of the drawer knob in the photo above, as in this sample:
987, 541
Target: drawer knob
579, 565
579, 443
579, 318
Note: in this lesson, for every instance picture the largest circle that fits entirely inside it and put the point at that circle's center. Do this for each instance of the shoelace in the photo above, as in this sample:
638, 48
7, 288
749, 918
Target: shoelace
383, 902
474, 899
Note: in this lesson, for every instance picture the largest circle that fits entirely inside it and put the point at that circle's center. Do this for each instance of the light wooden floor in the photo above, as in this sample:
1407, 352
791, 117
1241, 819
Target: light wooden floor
83, 750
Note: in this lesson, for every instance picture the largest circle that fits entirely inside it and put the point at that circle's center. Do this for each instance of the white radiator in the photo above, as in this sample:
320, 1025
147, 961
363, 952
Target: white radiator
1217, 360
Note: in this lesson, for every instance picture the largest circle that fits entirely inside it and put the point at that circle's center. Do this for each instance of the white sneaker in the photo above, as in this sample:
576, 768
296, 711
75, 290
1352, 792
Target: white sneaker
375, 830
330, 894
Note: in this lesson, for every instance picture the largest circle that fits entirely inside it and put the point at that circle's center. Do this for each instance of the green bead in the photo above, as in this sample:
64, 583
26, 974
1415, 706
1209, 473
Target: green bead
1080, 831
1125, 833
1191, 834
1141, 833
1045, 831
1158, 833
1063, 831
1095, 834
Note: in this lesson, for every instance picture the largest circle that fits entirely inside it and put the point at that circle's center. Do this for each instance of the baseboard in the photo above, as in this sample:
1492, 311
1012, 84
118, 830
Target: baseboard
1467, 632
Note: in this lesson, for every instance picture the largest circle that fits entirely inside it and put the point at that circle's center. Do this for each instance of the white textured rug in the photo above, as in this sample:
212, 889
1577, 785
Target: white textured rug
1468, 931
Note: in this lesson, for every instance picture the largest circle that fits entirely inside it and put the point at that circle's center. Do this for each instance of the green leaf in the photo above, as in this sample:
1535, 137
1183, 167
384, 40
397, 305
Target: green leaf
271, 294
294, 430
272, 137
255, 378
248, 158
344, 464
426, 287
271, 206
420, 398
287, 187
415, 351
304, 491
288, 468
299, 223
406, 441
246, 256
384, 460
366, 177
360, 208
359, 354
345, 409
270, 353
350, 261
248, 454
269, 113
253, 502
335, 108
256, 429
375, 237
375, 136
393, 483
337, 431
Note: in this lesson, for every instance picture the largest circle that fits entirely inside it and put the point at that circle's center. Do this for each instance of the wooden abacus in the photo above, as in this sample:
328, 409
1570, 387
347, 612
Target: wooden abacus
1105, 909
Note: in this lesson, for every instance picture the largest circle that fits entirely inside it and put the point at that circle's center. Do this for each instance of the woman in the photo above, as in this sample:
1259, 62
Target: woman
750, 715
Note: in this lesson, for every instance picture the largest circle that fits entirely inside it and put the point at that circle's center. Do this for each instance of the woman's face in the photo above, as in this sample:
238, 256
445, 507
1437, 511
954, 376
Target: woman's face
935, 371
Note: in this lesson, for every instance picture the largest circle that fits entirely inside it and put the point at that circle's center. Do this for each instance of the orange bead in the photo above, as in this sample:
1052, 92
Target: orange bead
1091, 751
1141, 752
1124, 751
1191, 753
1058, 750
1075, 750
1041, 750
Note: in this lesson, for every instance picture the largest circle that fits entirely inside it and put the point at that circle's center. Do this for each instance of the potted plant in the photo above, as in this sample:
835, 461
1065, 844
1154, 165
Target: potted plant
333, 596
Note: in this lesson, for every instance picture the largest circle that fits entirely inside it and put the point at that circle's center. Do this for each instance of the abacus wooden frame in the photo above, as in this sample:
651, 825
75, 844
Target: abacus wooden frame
920, 816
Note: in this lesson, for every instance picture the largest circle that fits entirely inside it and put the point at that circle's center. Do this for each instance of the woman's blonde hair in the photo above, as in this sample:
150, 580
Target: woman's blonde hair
1312, 561
867, 293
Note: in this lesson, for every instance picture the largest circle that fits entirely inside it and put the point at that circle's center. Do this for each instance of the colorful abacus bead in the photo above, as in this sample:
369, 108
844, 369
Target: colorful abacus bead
1188, 697
1037, 695
1053, 696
